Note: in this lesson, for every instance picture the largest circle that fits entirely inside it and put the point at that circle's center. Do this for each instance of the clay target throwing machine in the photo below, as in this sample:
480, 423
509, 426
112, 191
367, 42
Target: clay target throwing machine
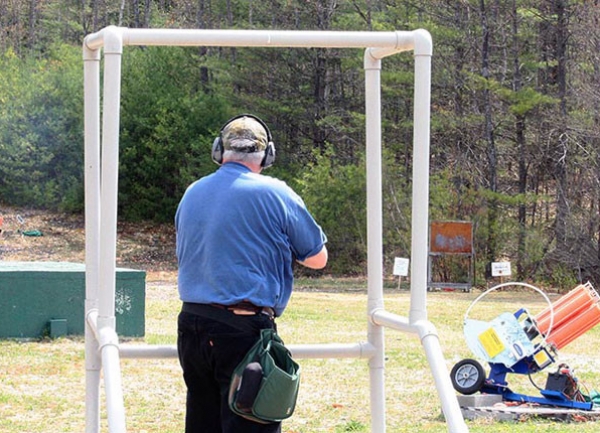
519, 343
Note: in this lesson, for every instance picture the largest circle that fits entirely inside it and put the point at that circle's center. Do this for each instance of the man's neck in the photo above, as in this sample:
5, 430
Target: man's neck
255, 168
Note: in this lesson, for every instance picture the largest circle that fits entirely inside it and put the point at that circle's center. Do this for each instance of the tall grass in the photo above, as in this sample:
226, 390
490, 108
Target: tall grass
42, 386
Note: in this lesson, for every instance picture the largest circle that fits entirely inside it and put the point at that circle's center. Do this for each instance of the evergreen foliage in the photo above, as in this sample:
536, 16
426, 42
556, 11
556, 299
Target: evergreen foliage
515, 124
41, 130
168, 123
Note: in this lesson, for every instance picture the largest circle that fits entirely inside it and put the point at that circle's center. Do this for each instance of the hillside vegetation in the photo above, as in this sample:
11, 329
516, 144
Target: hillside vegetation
515, 127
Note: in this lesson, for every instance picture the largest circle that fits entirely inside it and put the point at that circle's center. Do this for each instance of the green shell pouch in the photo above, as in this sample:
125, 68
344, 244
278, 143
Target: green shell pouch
264, 385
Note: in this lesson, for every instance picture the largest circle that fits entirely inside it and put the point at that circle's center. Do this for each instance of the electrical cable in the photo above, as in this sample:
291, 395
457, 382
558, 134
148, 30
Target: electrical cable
532, 382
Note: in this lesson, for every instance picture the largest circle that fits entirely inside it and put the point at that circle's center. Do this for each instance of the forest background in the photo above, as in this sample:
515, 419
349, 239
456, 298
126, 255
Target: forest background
515, 139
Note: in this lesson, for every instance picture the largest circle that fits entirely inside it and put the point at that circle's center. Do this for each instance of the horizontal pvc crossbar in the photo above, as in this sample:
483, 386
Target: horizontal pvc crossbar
299, 351
397, 40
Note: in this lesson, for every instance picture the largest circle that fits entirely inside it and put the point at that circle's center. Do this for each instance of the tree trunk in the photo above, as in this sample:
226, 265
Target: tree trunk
201, 23
560, 167
596, 63
95, 22
489, 139
520, 145
147, 14
33, 16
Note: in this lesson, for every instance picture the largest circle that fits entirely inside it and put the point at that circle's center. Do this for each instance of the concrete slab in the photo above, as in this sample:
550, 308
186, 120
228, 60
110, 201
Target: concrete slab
491, 406
479, 400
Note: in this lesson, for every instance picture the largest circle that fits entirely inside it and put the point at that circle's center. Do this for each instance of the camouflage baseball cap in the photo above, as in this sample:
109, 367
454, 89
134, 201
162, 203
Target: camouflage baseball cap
244, 134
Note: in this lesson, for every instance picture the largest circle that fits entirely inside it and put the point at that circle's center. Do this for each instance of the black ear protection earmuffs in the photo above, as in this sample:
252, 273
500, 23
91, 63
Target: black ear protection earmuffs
217, 147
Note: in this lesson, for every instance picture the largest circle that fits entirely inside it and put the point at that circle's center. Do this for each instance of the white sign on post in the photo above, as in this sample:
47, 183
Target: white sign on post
401, 267
500, 269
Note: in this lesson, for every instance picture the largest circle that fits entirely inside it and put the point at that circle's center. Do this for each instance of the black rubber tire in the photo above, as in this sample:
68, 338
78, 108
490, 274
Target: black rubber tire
467, 376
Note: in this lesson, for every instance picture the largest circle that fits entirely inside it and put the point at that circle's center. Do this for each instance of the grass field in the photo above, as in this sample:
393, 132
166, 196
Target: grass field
42, 385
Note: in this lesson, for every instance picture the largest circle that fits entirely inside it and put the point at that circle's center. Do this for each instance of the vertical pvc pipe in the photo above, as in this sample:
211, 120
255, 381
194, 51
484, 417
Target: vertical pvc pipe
91, 76
115, 409
113, 49
420, 190
420, 221
374, 238
108, 342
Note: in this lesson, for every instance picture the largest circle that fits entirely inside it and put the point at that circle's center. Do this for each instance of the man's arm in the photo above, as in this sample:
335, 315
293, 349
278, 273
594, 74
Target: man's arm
318, 261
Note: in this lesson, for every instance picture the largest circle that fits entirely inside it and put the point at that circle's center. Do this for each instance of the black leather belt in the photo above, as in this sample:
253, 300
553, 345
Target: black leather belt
240, 309
246, 309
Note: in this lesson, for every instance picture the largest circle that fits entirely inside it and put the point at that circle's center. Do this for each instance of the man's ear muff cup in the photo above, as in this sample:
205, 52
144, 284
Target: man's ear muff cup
217, 147
269, 158
217, 150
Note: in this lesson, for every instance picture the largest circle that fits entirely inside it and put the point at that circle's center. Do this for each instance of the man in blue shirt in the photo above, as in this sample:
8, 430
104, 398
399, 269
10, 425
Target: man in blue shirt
238, 234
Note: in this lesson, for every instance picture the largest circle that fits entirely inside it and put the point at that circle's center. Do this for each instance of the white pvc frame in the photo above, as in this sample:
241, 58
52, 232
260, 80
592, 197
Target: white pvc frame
102, 348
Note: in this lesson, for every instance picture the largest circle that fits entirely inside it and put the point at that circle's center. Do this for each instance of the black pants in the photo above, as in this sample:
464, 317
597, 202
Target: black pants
211, 342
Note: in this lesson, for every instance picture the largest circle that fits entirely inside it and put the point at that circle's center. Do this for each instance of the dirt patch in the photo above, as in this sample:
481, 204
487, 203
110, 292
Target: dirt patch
35, 235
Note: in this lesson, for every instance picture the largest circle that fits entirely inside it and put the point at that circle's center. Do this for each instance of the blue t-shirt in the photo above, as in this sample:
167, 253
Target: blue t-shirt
238, 234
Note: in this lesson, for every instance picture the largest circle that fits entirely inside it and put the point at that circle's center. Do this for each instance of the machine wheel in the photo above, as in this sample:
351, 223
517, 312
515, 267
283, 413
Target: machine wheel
467, 376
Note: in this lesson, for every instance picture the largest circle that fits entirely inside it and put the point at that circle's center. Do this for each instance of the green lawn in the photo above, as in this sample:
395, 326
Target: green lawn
42, 384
